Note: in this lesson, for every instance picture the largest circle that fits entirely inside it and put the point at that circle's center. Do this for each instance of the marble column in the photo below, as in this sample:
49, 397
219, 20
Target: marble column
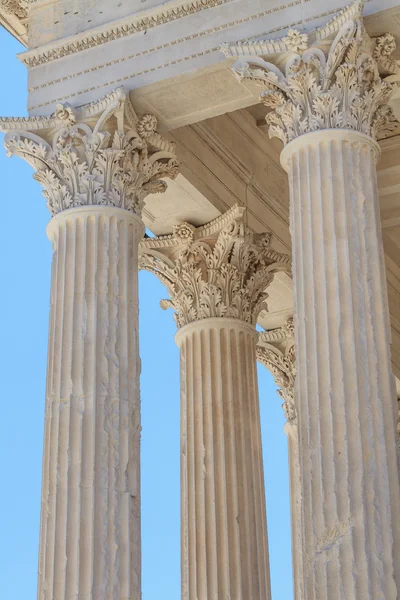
216, 276
96, 166
276, 351
329, 110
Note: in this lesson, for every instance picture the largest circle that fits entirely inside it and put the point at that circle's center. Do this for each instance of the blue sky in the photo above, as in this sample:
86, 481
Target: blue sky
25, 256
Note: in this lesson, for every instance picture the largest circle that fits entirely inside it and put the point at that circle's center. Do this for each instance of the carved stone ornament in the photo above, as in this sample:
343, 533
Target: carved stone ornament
15, 7
98, 154
218, 270
276, 351
342, 88
385, 45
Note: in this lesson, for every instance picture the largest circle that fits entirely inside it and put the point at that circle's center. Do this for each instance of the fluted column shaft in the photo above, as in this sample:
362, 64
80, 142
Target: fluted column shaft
292, 434
90, 527
345, 394
224, 532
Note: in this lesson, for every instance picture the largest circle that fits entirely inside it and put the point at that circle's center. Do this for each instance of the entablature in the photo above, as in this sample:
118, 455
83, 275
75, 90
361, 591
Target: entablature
78, 54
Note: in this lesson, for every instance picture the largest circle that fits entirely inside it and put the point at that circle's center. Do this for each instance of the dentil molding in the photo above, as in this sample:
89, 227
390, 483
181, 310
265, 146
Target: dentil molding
221, 269
343, 87
98, 154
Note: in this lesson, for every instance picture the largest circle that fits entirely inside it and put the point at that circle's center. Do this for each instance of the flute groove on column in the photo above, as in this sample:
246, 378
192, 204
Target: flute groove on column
222, 417
347, 404
96, 163
217, 276
330, 104
91, 482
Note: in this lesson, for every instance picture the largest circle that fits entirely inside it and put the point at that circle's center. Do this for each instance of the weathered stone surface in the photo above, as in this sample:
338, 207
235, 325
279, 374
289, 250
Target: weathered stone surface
224, 529
97, 164
345, 395
90, 525
220, 269
101, 154
217, 276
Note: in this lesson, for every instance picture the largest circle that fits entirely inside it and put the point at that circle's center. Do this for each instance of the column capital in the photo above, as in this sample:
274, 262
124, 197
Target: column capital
276, 351
221, 269
98, 154
312, 83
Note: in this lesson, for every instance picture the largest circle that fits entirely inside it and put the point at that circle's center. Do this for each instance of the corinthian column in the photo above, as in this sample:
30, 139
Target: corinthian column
96, 165
276, 351
329, 108
216, 276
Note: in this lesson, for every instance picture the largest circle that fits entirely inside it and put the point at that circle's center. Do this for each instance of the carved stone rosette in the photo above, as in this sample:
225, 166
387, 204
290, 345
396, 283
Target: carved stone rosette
343, 88
276, 351
221, 269
99, 154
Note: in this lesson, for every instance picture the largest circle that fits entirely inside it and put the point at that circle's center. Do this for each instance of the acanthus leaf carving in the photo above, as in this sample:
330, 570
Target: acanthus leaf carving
276, 351
117, 162
344, 88
218, 270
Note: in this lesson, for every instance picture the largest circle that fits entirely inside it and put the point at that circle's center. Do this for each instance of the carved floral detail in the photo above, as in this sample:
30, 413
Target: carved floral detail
288, 328
147, 126
117, 164
184, 231
276, 351
296, 41
341, 90
220, 274
384, 48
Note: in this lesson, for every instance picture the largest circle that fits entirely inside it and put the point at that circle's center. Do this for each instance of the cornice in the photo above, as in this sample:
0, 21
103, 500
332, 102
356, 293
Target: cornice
182, 40
154, 17
101, 35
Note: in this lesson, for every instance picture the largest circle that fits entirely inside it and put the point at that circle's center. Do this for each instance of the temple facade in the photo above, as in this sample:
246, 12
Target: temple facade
260, 143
